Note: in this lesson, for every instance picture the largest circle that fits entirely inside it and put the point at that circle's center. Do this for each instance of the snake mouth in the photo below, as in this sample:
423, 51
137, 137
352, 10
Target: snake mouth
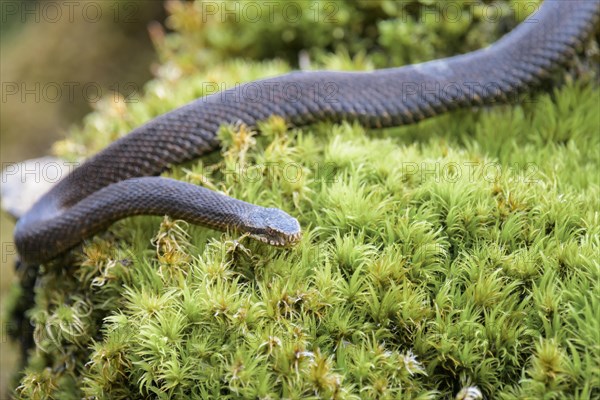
281, 241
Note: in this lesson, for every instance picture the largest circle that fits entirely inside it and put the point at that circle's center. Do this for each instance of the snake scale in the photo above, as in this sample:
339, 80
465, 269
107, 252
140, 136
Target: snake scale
121, 181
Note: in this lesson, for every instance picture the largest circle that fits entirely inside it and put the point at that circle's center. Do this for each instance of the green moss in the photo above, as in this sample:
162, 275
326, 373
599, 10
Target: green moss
392, 32
458, 252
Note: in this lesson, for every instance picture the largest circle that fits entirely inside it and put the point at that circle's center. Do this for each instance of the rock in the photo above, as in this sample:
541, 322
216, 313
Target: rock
24, 183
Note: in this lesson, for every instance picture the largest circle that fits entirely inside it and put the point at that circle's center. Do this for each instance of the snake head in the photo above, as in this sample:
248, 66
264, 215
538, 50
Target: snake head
274, 227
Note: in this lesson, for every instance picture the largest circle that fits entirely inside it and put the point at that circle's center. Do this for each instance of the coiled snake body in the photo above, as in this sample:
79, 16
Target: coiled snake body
120, 181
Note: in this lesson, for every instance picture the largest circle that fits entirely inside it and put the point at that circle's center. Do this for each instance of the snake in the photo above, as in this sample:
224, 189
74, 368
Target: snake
122, 180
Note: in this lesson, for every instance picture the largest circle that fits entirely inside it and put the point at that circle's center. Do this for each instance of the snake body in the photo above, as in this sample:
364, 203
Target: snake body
121, 180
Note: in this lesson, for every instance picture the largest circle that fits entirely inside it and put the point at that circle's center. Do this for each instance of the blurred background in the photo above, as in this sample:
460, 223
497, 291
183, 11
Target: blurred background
57, 60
